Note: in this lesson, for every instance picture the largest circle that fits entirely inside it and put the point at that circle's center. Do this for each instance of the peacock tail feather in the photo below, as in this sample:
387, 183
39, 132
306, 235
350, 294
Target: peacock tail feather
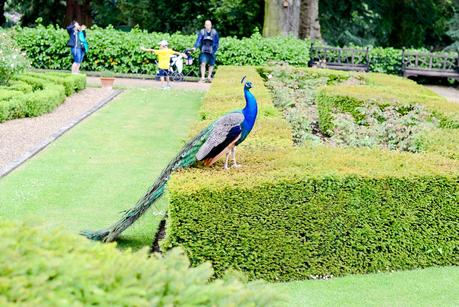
185, 158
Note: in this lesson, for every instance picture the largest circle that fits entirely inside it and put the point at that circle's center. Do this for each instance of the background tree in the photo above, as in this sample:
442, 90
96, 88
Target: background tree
239, 18
50, 12
79, 10
309, 20
453, 31
395, 23
2, 12
282, 17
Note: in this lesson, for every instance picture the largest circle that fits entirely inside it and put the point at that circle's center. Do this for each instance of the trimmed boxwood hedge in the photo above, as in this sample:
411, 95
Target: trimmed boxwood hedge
294, 213
111, 49
48, 267
384, 90
33, 94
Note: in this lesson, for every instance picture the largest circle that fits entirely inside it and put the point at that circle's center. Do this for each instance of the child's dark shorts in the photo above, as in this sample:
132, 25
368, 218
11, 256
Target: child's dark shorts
163, 73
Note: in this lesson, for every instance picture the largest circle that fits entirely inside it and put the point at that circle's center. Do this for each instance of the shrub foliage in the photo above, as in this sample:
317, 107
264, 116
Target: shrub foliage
355, 109
33, 94
12, 61
54, 268
119, 51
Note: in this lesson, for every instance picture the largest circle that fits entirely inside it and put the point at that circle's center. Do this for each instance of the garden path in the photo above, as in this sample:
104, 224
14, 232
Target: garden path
449, 92
21, 138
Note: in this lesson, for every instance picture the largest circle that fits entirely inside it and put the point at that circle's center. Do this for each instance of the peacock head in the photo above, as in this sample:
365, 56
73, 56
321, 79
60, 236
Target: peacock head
247, 84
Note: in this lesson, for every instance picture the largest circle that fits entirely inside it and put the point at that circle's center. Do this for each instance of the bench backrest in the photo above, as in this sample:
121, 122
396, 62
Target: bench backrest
336, 57
430, 60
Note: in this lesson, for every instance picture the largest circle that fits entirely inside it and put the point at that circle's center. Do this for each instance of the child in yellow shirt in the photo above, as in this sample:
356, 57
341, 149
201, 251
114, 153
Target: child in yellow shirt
164, 56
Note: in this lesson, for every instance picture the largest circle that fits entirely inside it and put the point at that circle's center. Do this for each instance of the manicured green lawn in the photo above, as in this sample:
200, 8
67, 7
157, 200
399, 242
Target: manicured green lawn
438, 286
102, 166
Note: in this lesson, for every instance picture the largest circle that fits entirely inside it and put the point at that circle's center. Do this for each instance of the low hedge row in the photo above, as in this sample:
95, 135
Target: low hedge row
119, 51
33, 94
110, 49
384, 90
40, 267
294, 213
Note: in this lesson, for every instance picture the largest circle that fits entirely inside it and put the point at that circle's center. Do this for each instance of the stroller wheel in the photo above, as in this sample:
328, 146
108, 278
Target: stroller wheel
178, 76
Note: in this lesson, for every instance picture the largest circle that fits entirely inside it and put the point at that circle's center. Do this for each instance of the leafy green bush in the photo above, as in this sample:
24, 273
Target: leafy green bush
12, 61
54, 269
385, 60
120, 51
33, 94
297, 212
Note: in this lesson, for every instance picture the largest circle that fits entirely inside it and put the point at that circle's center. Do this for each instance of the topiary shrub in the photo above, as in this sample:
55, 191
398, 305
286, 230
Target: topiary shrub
311, 211
33, 94
55, 268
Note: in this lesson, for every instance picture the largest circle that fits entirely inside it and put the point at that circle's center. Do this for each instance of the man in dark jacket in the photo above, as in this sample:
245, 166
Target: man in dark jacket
207, 42
76, 46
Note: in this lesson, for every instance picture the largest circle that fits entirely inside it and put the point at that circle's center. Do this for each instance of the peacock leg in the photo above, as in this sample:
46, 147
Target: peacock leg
233, 153
226, 160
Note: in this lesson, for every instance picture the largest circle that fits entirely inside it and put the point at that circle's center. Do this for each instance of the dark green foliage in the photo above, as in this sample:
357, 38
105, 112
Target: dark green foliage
386, 60
295, 229
387, 23
33, 94
453, 30
119, 51
111, 49
230, 17
54, 268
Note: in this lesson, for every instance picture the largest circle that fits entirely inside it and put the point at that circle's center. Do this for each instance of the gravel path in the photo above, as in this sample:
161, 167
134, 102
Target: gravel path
449, 92
95, 81
21, 136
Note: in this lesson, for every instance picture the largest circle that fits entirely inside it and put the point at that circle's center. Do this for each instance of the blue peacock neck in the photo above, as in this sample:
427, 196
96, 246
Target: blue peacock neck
250, 114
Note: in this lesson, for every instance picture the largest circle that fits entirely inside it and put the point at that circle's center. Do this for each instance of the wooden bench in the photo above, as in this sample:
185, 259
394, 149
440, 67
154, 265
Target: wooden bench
339, 58
430, 64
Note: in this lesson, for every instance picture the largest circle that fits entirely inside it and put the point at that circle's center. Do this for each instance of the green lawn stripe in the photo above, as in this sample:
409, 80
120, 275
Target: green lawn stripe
436, 286
84, 180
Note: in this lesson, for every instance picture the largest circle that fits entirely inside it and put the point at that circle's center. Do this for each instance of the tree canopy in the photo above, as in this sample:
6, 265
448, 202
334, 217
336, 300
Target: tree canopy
395, 23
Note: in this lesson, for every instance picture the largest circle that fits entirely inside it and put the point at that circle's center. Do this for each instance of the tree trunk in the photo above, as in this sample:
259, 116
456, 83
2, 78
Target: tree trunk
2, 12
282, 17
309, 16
79, 12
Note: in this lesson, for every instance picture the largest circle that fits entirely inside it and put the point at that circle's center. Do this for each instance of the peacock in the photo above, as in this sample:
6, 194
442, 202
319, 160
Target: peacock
218, 139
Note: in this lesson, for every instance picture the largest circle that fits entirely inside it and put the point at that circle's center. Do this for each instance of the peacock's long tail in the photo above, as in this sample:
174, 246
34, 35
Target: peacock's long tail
185, 158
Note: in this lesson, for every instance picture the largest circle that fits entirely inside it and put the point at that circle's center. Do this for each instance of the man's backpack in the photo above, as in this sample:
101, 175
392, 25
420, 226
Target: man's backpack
207, 43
